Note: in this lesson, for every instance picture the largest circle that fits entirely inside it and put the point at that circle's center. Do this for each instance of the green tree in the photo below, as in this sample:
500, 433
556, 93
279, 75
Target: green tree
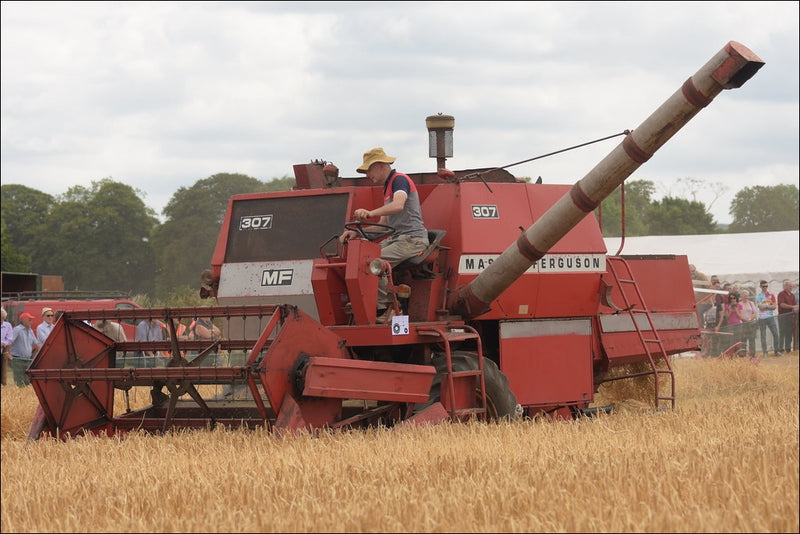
765, 209
11, 260
184, 244
638, 195
678, 216
97, 238
24, 212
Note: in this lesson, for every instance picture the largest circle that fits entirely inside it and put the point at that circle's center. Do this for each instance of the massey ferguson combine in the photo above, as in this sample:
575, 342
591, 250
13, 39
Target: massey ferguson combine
515, 309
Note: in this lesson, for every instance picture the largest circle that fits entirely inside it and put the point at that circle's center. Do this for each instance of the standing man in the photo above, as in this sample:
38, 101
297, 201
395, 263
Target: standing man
149, 330
7, 337
115, 331
767, 304
787, 312
112, 329
23, 346
46, 326
400, 210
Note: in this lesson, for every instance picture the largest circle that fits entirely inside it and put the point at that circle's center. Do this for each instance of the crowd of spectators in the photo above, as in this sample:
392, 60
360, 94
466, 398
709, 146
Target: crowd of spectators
750, 320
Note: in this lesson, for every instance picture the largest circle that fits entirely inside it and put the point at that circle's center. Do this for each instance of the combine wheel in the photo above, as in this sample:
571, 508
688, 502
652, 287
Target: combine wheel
500, 400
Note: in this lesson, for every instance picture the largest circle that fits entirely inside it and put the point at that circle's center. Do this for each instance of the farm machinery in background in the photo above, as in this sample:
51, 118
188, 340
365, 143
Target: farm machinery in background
514, 309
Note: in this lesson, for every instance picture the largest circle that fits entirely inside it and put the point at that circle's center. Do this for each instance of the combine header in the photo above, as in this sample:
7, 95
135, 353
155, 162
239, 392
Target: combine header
514, 309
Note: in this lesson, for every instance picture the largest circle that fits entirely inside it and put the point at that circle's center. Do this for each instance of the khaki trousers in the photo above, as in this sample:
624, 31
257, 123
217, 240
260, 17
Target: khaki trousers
395, 251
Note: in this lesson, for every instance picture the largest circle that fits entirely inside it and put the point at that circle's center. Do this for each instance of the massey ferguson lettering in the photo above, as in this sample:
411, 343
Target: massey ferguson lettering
255, 222
477, 264
277, 277
569, 263
551, 263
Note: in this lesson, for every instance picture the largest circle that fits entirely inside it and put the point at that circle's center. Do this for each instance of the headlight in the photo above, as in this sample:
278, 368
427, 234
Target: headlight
378, 267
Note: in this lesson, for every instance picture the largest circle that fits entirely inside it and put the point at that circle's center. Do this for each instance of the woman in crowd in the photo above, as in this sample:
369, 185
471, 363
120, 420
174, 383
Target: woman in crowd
749, 316
731, 321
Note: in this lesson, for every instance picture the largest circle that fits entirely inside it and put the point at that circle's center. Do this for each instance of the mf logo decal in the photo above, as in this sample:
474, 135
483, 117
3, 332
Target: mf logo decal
480, 211
255, 222
277, 277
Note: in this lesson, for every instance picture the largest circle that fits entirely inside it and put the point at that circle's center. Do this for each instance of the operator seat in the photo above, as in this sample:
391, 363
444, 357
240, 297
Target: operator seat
428, 255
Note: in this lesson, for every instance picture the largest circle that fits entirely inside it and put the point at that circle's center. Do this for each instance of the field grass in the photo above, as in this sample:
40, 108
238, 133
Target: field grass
725, 460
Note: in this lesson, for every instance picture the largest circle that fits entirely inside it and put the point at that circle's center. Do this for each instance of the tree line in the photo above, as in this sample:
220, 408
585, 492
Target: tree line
105, 238
753, 209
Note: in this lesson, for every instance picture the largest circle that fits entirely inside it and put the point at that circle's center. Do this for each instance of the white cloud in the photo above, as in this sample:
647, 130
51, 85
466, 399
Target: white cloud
160, 95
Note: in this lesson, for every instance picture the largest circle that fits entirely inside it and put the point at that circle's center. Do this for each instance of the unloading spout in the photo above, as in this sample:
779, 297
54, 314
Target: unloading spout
730, 68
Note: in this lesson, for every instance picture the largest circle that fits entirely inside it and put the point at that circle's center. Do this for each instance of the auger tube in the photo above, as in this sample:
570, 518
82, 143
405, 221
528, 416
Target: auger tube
730, 68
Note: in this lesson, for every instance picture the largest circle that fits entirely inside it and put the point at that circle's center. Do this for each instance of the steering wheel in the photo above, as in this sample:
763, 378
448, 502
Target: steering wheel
371, 235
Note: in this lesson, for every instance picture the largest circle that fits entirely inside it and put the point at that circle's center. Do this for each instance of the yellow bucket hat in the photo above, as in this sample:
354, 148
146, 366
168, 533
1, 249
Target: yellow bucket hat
374, 156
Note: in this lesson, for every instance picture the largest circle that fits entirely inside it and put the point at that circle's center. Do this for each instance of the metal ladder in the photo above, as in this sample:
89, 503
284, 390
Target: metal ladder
635, 307
453, 334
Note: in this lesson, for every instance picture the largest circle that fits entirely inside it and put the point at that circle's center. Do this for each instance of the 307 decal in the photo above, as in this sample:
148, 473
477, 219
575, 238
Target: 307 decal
485, 212
255, 222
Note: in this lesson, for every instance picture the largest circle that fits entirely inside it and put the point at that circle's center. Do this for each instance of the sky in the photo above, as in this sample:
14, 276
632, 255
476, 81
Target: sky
160, 95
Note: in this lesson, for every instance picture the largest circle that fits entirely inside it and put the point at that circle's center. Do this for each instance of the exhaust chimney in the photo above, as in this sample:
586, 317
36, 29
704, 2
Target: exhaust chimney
440, 138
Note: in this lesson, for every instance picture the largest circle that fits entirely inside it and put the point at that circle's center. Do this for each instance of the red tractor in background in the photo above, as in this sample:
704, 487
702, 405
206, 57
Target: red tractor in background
514, 309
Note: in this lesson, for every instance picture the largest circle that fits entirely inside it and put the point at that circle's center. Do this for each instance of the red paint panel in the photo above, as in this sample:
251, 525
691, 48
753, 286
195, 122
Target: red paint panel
548, 370
664, 281
367, 380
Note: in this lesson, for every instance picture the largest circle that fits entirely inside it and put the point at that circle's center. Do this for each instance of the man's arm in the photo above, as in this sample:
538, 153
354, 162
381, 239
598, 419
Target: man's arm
395, 206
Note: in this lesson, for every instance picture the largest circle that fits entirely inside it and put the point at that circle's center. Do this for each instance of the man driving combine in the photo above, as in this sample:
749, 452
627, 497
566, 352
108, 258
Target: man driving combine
400, 210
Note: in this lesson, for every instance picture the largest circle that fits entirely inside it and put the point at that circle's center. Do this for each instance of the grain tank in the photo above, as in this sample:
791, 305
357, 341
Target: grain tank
515, 308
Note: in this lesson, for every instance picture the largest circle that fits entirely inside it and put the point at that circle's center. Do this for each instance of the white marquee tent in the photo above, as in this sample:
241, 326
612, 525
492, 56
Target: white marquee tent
736, 258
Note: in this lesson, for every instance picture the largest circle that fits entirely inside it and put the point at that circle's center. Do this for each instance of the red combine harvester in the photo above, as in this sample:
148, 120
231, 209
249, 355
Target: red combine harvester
480, 330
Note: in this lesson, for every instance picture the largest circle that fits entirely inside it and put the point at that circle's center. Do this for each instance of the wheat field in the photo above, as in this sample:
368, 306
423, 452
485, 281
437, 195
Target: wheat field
724, 460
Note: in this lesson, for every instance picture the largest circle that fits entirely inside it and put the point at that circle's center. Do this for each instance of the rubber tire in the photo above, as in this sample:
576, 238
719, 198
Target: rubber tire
501, 403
